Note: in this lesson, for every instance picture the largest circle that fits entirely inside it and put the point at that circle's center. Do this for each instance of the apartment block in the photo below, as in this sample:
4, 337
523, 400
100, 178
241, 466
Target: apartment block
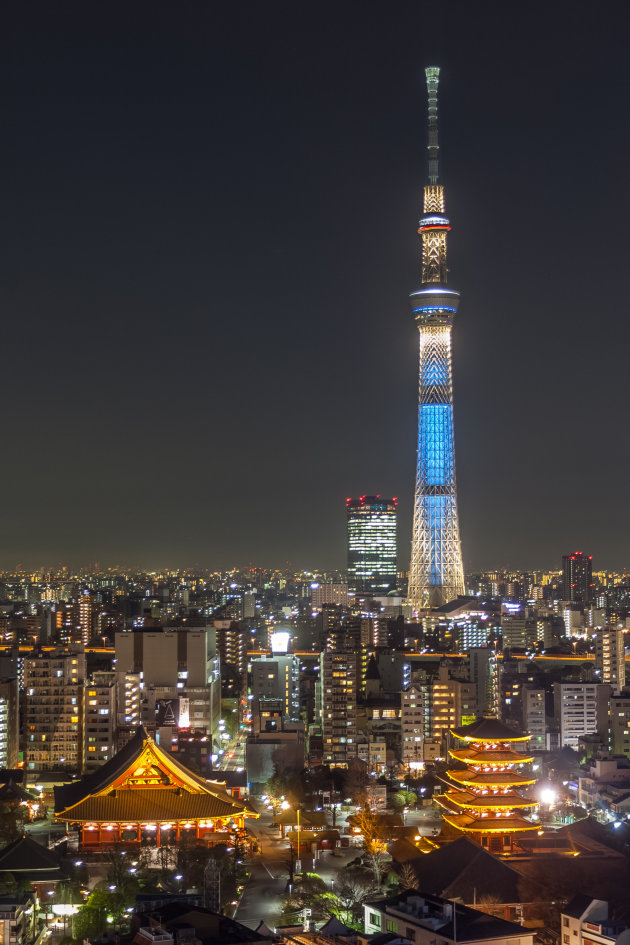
9, 723
454, 703
620, 724
169, 665
415, 709
610, 657
534, 719
54, 686
100, 711
581, 709
339, 673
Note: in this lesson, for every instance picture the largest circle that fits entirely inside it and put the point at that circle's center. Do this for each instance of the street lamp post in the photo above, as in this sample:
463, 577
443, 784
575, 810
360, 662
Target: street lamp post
298, 862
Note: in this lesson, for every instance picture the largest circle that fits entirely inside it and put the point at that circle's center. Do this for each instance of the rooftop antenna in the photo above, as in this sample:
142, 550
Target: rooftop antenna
433, 78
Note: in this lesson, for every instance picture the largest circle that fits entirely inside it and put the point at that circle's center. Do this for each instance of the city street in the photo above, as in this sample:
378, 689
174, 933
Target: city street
269, 873
269, 870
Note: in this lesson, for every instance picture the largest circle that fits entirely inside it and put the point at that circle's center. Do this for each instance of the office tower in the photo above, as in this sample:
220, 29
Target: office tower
436, 575
610, 657
577, 577
100, 702
371, 544
471, 632
581, 709
53, 683
9, 722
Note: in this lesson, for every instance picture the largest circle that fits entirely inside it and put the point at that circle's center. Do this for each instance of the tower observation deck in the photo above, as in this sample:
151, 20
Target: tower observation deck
436, 575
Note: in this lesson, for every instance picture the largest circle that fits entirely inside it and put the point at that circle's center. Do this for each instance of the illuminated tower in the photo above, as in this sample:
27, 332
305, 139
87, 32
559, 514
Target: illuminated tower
436, 575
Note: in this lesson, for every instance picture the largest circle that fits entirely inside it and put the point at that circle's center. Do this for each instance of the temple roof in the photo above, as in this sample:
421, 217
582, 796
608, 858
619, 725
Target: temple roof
489, 756
32, 861
146, 806
489, 824
489, 730
463, 869
489, 778
144, 783
466, 799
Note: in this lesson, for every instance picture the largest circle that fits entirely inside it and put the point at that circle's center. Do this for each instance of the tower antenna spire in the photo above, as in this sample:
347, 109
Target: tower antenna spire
433, 148
436, 575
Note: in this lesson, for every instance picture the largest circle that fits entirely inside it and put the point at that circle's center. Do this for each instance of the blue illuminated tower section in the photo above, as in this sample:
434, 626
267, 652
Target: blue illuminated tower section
436, 575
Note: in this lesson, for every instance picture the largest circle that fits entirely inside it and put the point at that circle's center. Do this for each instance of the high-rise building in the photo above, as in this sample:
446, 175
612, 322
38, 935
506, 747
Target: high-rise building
620, 724
484, 673
581, 709
100, 701
232, 641
172, 665
610, 657
415, 722
454, 703
54, 686
436, 574
577, 577
9, 722
339, 676
277, 676
371, 544
322, 594
534, 719
86, 616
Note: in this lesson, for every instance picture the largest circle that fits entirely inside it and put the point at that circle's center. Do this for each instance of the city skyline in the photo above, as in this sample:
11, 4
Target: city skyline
163, 413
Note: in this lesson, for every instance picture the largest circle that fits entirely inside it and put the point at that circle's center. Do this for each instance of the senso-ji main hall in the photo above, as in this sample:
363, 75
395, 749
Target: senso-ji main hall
144, 794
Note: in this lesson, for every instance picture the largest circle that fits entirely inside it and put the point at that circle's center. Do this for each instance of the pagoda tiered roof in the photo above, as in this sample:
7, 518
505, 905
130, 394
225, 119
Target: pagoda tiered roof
500, 778
510, 823
144, 784
489, 730
483, 798
496, 801
486, 757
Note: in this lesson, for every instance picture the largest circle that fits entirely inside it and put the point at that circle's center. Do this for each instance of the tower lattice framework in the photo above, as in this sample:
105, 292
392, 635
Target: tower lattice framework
436, 574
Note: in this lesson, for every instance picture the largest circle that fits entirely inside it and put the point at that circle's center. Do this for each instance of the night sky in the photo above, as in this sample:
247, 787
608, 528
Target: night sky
209, 236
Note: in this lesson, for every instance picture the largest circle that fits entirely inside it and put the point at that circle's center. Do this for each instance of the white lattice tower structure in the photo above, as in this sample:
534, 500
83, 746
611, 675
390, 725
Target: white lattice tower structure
436, 575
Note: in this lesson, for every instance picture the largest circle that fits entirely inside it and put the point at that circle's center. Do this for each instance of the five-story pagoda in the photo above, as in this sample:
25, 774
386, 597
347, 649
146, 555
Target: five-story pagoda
484, 799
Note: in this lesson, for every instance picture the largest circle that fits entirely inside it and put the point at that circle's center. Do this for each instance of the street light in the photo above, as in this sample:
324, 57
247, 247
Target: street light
298, 862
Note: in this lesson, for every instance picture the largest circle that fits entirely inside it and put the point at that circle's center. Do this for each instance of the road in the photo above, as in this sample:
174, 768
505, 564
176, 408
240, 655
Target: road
269, 873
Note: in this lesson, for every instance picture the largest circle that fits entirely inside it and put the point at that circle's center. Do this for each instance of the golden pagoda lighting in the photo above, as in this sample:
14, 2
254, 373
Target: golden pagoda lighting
487, 795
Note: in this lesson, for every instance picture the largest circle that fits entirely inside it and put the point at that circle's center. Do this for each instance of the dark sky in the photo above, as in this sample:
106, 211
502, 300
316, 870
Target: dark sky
208, 228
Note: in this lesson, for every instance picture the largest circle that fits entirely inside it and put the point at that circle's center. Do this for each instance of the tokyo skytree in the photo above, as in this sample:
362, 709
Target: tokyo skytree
436, 575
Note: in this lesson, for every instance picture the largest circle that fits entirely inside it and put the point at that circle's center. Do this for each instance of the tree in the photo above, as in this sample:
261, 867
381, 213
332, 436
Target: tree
310, 893
353, 889
408, 877
402, 799
374, 844
103, 908
356, 781
13, 817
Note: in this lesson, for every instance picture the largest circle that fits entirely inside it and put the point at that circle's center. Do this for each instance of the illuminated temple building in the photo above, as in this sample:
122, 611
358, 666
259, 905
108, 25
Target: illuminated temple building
144, 794
484, 798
